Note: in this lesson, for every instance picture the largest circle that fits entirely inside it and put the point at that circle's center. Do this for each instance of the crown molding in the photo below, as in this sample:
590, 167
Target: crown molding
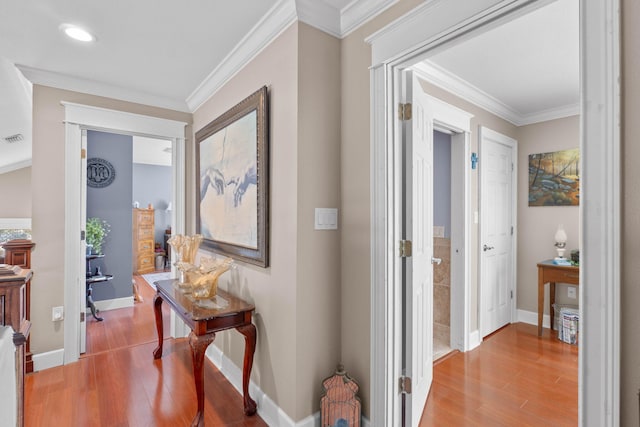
340, 22
15, 166
275, 21
92, 87
453, 84
551, 114
358, 12
320, 15
317, 13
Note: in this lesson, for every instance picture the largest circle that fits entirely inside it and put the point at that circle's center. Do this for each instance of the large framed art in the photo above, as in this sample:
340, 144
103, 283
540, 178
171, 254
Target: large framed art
232, 170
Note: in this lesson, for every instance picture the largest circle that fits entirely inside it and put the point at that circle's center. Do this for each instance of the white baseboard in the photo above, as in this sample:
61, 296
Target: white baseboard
113, 304
268, 410
49, 359
474, 340
531, 318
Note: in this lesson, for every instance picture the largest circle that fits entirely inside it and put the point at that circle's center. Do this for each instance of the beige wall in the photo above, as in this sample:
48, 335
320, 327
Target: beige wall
273, 290
356, 198
318, 275
537, 225
15, 187
48, 215
297, 297
630, 293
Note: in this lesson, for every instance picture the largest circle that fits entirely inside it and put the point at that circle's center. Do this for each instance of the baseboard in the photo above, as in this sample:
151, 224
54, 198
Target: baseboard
49, 359
531, 318
474, 340
113, 304
268, 410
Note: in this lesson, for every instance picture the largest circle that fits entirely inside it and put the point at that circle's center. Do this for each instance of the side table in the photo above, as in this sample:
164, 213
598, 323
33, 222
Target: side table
205, 318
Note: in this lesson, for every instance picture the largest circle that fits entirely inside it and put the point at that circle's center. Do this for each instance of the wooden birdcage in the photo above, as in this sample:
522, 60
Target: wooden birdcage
339, 405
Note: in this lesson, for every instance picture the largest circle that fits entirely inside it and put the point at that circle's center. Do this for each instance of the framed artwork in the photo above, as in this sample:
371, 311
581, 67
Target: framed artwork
232, 172
554, 178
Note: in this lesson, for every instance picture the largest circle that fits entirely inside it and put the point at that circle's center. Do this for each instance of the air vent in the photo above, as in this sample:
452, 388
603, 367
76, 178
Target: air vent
14, 138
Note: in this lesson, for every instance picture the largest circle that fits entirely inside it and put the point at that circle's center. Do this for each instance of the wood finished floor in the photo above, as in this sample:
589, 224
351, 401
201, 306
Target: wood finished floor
117, 382
514, 378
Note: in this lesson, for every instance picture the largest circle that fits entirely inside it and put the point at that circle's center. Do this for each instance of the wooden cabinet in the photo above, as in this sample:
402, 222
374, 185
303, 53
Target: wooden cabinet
13, 288
18, 252
143, 241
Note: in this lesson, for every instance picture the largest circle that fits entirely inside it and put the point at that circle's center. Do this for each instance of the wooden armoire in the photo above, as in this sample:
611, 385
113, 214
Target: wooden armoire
143, 241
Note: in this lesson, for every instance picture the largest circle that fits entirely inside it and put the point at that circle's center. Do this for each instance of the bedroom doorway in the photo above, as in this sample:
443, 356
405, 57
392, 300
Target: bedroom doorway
79, 119
128, 178
389, 59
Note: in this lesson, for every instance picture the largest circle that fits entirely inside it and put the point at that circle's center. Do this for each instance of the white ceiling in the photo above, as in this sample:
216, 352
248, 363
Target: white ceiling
527, 69
177, 54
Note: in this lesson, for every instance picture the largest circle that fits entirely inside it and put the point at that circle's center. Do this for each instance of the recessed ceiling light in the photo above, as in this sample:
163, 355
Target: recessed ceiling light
77, 33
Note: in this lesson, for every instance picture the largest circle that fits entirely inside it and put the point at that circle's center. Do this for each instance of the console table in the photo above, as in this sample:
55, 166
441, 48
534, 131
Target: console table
205, 318
548, 272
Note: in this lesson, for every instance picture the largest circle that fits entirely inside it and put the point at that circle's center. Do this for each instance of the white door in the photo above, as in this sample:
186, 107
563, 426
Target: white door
82, 292
418, 215
497, 214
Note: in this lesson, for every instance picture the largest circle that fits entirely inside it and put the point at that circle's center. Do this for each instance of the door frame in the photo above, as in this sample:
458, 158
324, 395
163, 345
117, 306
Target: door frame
80, 117
483, 132
404, 42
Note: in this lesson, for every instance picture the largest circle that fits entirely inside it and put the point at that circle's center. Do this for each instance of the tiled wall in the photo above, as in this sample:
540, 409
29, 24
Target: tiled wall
442, 289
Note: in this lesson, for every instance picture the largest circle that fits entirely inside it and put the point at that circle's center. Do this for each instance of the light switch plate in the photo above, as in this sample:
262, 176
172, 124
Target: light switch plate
326, 219
571, 292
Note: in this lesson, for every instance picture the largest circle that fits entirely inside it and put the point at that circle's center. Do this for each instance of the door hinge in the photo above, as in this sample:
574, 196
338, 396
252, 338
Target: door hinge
405, 248
82, 316
511, 167
405, 385
404, 111
511, 294
83, 153
512, 230
82, 235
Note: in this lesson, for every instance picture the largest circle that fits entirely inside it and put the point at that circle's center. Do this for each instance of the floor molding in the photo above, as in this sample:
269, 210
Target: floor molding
268, 410
113, 304
531, 318
49, 359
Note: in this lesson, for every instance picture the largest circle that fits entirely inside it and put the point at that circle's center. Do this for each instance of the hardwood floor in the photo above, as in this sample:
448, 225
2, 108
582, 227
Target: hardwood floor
126, 327
515, 378
118, 383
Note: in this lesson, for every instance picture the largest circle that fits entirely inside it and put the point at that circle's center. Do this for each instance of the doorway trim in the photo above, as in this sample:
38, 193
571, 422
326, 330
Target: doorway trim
406, 41
77, 118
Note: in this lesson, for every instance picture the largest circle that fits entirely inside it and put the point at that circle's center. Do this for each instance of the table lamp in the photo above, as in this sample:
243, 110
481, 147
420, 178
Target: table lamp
561, 241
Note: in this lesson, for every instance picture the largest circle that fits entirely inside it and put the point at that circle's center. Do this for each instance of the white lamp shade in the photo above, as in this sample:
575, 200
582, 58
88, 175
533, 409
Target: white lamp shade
561, 236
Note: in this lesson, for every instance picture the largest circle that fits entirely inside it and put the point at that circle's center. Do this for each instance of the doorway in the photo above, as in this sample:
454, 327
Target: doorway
141, 176
598, 378
78, 119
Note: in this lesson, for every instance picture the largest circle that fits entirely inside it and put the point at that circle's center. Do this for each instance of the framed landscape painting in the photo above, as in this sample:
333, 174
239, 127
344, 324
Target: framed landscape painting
232, 171
554, 178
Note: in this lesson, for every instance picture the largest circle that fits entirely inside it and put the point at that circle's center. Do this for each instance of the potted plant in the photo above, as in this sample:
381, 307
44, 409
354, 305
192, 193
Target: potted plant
96, 231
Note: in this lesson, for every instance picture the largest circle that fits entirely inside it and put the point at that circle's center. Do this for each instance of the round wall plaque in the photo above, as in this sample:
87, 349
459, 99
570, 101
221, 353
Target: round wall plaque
100, 173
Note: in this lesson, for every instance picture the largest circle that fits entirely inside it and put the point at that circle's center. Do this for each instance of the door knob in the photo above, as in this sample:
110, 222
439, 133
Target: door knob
436, 260
487, 248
